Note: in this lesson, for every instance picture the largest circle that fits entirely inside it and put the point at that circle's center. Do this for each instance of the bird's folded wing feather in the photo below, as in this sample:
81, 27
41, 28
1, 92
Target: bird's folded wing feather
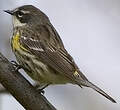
52, 55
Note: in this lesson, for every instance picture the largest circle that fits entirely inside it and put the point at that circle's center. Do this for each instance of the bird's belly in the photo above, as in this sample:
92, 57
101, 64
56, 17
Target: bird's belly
48, 75
38, 71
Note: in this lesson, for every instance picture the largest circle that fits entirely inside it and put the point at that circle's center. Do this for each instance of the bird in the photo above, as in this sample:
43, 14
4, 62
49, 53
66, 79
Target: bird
40, 51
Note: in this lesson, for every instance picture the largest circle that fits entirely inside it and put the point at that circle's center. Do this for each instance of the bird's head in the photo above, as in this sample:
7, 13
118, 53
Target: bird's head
27, 15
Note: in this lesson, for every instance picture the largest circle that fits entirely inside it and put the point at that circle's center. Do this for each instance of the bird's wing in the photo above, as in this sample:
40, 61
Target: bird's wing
52, 52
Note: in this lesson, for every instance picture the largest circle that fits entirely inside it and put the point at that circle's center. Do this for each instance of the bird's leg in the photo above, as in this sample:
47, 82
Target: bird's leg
41, 88
16, 65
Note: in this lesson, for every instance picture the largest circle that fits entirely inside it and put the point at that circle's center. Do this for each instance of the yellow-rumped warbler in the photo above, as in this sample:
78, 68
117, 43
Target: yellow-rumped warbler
39, 49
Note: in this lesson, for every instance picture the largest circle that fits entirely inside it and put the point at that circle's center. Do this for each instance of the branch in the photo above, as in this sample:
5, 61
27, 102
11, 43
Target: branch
21, 89
3, 90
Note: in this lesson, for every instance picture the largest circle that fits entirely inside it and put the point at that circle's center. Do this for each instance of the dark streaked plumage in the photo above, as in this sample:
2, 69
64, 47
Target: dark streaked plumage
48, 62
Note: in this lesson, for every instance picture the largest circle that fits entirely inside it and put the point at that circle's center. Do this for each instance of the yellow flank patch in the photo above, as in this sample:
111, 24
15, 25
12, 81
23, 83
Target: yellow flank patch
16, 44
76, 73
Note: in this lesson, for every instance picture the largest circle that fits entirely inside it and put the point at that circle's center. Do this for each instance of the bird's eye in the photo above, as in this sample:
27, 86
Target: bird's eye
20, 14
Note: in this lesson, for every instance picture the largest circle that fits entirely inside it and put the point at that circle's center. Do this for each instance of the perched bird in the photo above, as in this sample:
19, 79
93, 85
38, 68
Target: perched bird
39, 49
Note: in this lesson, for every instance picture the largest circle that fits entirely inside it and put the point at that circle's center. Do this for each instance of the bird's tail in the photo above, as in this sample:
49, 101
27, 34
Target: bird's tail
91, 85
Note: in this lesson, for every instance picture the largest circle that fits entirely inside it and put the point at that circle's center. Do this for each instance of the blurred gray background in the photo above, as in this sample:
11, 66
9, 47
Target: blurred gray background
90, 30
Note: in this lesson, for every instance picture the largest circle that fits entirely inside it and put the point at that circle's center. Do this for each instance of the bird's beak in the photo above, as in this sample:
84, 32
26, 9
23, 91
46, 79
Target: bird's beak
9, 12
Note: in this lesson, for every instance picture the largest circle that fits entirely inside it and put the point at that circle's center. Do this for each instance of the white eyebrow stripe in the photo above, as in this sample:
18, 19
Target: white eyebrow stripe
25, 12
15, 10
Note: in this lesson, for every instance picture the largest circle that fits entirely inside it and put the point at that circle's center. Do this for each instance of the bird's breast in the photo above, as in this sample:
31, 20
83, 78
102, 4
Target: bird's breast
15, 43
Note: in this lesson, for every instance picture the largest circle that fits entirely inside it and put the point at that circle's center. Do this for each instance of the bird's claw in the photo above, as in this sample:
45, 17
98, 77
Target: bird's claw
41, 88
41, 91
16, 65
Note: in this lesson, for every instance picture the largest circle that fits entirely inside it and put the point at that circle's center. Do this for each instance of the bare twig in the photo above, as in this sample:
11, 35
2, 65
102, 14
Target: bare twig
21, 89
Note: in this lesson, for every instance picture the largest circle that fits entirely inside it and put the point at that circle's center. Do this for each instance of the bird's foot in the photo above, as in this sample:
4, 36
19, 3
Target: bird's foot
41, 88
16, 65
